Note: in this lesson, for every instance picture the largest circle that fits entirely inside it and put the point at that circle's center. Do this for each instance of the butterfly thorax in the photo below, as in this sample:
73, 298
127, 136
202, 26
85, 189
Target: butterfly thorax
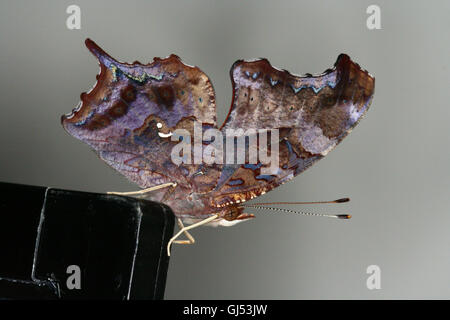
195, 206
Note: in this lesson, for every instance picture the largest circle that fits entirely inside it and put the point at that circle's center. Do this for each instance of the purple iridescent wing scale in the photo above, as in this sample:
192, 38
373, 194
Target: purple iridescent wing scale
313, 114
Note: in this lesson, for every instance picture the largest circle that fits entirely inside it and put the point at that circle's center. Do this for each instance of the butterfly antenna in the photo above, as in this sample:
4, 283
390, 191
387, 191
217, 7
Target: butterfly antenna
338, 216
342, 200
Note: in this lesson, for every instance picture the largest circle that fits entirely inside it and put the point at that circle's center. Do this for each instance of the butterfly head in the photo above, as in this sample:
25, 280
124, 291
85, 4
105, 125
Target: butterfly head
232, 215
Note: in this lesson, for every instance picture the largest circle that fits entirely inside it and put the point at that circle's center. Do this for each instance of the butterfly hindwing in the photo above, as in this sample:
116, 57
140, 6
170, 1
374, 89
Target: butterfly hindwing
312, 114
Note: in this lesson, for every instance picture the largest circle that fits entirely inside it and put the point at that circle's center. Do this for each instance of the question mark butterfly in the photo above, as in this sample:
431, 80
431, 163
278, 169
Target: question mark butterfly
131, 116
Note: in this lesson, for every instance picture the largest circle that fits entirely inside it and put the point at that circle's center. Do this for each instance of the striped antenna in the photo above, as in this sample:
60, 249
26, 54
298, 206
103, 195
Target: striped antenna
342, 200
337, 216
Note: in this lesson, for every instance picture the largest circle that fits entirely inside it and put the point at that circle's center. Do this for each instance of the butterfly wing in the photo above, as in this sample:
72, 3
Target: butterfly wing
130, 113
312, 113
128, 116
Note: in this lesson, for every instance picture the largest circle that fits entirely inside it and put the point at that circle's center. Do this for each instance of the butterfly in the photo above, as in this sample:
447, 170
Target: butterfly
131, 114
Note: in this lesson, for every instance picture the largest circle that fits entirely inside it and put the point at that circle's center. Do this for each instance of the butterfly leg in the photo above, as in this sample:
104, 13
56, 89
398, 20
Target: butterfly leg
192, 226
190, 240
144, 191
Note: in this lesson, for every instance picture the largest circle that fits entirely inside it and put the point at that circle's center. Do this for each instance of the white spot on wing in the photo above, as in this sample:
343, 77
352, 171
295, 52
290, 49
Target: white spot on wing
164, 135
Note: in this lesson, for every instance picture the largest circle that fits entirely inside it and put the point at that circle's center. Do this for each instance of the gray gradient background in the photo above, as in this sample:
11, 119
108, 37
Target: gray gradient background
394, 165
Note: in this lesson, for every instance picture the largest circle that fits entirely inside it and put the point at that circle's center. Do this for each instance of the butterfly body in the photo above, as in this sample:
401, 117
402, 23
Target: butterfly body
133, 110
